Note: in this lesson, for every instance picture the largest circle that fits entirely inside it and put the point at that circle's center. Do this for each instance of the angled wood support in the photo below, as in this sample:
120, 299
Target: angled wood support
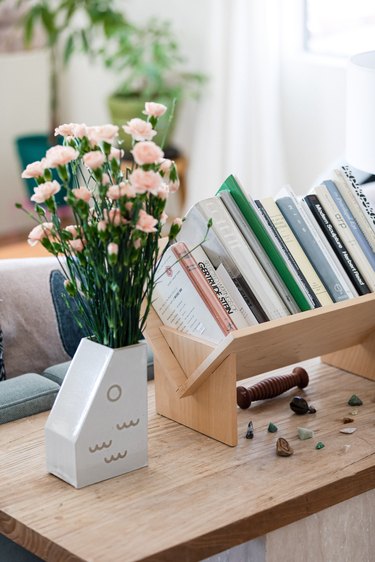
196, 382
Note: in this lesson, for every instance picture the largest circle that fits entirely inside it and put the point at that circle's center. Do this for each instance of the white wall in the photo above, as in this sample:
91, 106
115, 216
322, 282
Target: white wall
23, 109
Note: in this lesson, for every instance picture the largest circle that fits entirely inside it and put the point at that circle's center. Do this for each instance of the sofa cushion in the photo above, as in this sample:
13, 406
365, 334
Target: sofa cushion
26, 395
31, 334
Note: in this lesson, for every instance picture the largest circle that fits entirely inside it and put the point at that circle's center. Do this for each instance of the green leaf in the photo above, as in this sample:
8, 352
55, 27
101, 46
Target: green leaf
69, 48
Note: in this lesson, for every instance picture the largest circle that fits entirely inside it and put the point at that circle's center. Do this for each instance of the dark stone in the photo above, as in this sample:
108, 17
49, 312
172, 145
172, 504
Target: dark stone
250, 430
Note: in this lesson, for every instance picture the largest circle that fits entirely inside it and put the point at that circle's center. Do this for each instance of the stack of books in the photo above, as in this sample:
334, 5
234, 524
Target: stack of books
266, 259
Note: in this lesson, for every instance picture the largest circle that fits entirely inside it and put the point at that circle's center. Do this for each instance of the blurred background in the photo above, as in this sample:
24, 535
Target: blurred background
260, 84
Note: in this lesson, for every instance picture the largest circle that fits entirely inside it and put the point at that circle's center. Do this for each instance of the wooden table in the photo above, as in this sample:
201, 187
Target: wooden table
197, 497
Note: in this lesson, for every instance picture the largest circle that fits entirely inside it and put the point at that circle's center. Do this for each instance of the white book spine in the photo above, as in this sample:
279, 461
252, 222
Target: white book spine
219, 287
228, 233
346, 235
352, 202
364, 202
179, 305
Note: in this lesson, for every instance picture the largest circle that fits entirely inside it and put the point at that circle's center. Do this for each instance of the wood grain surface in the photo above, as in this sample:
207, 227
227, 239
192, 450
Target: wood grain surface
197, 497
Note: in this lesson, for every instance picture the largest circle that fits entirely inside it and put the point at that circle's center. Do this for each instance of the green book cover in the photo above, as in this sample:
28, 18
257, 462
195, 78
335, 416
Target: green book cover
265, 239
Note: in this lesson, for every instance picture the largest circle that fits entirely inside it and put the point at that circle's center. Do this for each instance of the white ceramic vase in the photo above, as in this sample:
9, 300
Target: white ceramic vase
97, 428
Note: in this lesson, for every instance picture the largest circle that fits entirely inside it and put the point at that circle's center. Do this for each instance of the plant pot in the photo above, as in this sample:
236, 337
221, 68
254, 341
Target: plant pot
97, 428
34, 147
124, 108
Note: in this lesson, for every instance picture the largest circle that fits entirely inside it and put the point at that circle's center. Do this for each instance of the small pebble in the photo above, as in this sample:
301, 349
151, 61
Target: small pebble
347, 420
300, 406
348, 430
319, 445
250, 430
354, 412
345, 448
272, 428
354, 400
304, 433
283, 449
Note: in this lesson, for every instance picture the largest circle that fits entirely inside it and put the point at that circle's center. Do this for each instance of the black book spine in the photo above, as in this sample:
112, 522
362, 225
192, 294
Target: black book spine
337, 244
291, 259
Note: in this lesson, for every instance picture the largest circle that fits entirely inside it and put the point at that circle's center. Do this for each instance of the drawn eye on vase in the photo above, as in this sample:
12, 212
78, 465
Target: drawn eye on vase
100, 415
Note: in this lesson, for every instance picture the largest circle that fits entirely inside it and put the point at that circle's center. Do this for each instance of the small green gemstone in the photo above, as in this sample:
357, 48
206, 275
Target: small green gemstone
304, 433
354, 400
272, 428
319, 445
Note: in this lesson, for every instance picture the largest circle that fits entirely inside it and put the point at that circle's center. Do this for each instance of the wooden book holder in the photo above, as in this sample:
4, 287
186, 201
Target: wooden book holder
195, 382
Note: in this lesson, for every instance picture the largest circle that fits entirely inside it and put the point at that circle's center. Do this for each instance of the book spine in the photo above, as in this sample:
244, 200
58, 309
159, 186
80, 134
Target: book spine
249, 266
294, 253
253, 218
351, 222
368, 210
338, 246
346, 190
346, 235
194, 232
259, 252
197, 278
310, 243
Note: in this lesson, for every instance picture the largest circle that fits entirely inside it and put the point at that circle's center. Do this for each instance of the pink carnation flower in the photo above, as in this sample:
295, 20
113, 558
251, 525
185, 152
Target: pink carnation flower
165, 166
102, 226
82, 193
154, 109
139, 129
60, 155
106, 133
143, 181
163, 218
163, 192
71, 130
123, 189
116, 153
72, 229
174, 186
45, 191
178, 221
34, 170
147, 153
94, 159
76, 245
114, 217
146, 222
105, 179
112, 249
40, 232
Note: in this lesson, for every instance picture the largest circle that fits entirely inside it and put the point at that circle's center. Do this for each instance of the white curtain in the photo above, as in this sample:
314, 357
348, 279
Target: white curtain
239, 125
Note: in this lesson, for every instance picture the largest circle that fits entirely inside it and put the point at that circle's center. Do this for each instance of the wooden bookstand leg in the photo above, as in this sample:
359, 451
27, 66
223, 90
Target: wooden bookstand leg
211, 410
358, 359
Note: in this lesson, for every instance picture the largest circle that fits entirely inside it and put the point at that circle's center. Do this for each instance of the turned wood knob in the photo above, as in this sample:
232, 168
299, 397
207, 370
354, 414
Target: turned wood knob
269, 388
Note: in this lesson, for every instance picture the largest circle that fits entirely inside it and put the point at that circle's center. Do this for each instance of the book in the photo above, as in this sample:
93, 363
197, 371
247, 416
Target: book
367, 207
344, 186
240, 315
351, 222
178, 303
194, 233
303, 265
247, 262
258, 250
236, 296
252, 217
347, 237
336, 242
306, 234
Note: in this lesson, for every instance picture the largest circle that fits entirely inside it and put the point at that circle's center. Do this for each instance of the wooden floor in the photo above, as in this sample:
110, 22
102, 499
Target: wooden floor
21, 249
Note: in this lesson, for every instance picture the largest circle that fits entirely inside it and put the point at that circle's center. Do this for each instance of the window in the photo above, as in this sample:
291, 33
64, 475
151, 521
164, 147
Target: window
339, 27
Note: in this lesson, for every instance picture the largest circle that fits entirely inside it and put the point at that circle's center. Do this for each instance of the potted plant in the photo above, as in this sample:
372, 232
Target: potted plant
148, 60
109, 256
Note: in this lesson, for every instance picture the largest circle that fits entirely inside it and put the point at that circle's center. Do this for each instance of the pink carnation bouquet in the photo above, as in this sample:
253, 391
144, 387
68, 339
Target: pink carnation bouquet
109, 256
